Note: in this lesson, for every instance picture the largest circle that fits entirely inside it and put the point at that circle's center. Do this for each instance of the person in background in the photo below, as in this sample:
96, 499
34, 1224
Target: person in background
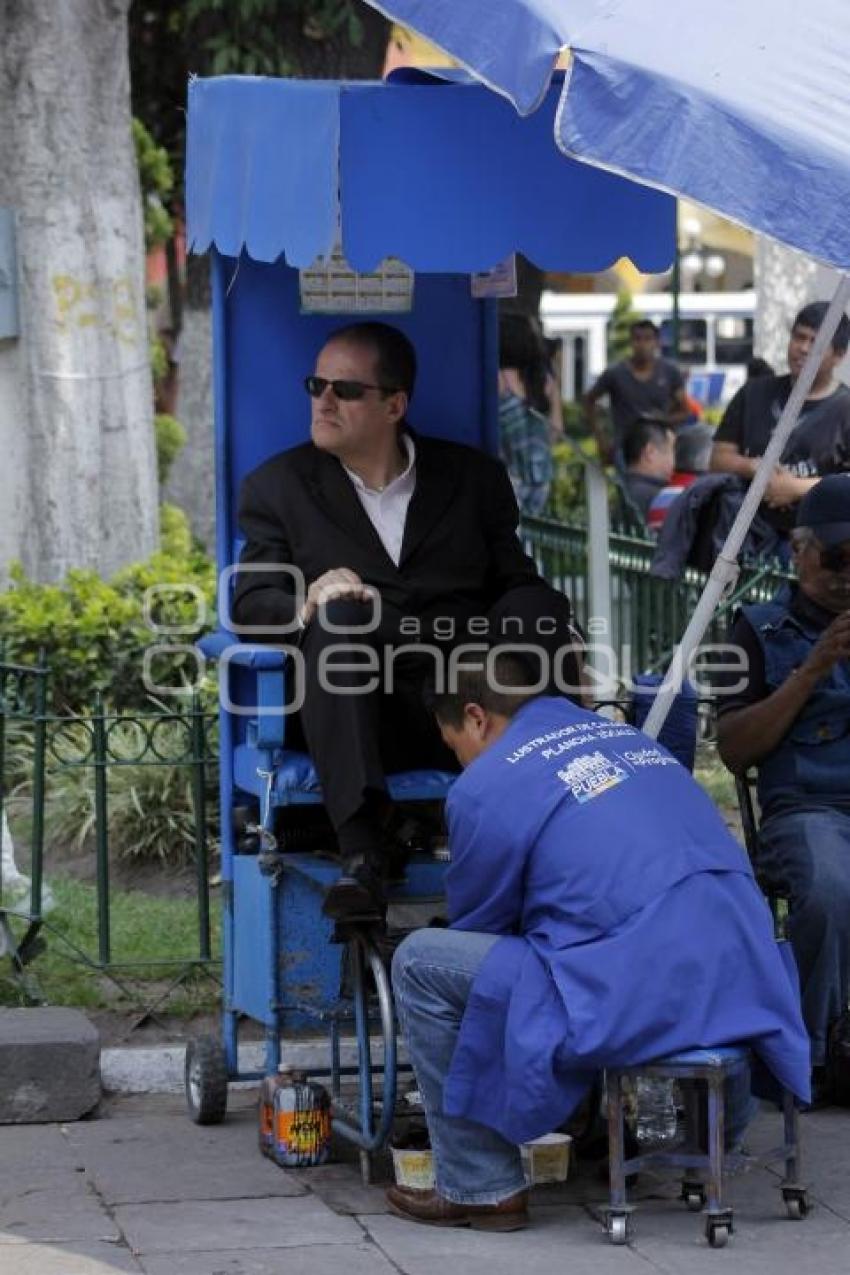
644, 384
788, 716
693, 456
649, 454
820, 443
759, 367
530, 417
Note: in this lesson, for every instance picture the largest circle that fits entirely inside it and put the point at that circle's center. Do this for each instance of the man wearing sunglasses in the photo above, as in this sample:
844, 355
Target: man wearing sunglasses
792, 722
406, 544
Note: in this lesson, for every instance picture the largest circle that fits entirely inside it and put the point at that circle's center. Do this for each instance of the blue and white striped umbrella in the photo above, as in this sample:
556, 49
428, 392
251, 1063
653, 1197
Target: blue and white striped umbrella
742, 105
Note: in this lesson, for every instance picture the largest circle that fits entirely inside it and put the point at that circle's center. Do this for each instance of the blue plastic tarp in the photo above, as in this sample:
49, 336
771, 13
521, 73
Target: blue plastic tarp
434, 170
743, 105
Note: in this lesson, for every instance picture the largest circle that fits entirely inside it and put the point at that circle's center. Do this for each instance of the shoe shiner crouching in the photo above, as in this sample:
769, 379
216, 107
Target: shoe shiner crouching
600, 913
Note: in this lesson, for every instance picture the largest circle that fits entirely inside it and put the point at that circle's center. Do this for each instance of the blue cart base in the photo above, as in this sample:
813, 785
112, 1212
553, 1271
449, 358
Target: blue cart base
289, 972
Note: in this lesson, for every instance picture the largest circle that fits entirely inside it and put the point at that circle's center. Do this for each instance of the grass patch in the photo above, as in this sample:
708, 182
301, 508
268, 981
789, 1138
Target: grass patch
716, 780
144, 930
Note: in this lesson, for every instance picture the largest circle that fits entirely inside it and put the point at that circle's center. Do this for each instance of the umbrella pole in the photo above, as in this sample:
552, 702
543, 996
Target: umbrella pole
724, 573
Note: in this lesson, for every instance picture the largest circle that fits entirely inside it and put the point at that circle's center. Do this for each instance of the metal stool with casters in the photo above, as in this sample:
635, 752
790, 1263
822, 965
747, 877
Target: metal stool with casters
702, 1180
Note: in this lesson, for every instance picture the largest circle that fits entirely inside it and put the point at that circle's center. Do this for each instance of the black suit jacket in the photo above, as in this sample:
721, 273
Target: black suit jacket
460, 551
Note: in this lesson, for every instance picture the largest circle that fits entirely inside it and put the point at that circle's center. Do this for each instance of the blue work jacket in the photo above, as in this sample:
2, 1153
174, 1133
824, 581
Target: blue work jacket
632, 924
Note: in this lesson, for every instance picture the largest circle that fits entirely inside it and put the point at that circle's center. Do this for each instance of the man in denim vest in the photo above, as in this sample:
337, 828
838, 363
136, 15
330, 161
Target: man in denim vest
791, 720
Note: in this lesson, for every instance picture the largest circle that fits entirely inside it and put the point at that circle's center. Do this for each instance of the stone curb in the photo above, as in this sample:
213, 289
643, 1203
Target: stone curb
160, 1069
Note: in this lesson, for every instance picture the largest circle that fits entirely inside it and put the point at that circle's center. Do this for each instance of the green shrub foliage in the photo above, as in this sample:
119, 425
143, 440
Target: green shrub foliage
94, 632
170, 441
156, 179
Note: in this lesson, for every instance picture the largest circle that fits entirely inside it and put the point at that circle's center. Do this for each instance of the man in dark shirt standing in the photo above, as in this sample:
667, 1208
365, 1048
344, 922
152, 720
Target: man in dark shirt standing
790, 718
642, 385
820, 443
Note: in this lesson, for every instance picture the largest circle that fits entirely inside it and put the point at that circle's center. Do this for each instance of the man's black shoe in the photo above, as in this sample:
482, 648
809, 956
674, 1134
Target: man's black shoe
356, 895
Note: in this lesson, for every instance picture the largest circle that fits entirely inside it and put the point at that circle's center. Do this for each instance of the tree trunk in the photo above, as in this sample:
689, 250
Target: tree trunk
192, 481
81, 490
785, 280
191, 484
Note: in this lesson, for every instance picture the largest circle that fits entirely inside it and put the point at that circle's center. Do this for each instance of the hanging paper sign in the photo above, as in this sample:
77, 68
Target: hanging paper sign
331, 286
498, 282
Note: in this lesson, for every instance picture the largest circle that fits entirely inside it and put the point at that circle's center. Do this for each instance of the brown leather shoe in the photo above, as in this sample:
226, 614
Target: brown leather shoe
433, 1210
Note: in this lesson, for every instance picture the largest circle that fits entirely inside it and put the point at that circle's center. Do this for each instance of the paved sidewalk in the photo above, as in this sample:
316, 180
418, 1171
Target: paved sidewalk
143, 1190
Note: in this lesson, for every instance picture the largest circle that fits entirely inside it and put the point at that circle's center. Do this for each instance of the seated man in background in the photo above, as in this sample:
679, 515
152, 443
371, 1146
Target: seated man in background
820, 442
649, 454
693, 456
407, 547
791, 720
600, 913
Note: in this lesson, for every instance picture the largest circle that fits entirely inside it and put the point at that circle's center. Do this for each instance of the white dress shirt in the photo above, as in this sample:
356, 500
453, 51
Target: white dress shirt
387, 509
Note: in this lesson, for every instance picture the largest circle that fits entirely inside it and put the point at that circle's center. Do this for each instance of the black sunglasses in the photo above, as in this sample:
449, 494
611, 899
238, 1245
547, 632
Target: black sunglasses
346, 391
836, 558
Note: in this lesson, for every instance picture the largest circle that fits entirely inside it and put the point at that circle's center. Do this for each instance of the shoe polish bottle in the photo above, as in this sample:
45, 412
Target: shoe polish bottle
265, 1108
302, 1123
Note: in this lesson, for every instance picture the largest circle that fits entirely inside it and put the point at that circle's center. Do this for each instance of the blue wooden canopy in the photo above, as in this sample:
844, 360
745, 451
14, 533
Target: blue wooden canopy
433, 169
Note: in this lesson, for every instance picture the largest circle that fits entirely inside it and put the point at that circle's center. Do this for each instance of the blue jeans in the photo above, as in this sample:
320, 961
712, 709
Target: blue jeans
433, 972
807, 853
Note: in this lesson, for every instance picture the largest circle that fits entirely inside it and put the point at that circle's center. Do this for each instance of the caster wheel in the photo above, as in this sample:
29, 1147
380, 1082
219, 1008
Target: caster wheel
693, 1196
619, 1228
796, 1204
206, 1080
718, 1234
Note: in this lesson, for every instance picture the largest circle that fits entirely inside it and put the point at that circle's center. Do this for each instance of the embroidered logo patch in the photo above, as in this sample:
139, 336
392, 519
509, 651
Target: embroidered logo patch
591, 774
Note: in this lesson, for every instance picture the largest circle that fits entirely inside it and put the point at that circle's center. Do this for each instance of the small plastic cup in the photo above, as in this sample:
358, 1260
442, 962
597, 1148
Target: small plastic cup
414, 1168
546, 1159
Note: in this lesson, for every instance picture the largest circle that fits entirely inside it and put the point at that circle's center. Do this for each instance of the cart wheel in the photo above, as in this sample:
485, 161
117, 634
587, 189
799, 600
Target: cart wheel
717, 1233
206, 1080
796, 1202
619, 1228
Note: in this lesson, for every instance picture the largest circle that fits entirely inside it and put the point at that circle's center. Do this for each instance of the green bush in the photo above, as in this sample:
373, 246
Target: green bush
575, 425
566, 497
170, 441
94, 632
620, 328
156, 178
159, 359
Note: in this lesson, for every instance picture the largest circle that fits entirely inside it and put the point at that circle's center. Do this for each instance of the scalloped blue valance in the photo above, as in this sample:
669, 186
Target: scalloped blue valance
435, 170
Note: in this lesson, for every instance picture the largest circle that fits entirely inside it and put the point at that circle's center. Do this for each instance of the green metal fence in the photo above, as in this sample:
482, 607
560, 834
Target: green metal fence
648, 615
23, 696
100, 743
